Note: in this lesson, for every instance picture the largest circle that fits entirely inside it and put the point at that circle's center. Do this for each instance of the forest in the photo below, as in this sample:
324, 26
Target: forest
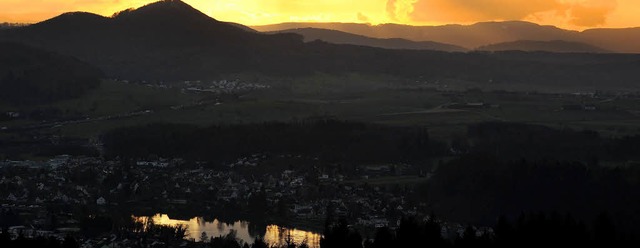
32, 76
329, 140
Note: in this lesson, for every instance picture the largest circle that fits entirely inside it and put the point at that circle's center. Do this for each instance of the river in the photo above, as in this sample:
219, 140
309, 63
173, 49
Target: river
273, 235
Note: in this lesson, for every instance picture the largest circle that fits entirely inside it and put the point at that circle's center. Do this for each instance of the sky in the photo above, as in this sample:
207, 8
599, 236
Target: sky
570, 14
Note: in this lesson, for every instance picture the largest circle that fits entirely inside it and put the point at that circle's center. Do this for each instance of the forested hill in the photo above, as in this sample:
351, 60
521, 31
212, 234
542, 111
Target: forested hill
30, 76
339, 37
163, 40
170, 40
557, 46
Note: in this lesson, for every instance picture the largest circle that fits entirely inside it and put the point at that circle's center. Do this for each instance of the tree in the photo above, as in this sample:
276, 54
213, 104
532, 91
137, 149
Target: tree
259, 243
70, 242
468, 238
384, 238
5, 238
408, 233
604, 231
340, 235
204, 237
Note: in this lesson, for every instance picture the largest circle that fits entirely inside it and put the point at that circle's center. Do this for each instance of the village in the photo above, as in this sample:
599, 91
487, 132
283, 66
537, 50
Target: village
48, 197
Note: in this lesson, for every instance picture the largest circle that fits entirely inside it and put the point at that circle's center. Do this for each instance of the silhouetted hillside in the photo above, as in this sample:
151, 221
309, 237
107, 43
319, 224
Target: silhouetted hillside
164, 40
622, 40
556, 46
170, 40
29, 75
339, 37
482, 33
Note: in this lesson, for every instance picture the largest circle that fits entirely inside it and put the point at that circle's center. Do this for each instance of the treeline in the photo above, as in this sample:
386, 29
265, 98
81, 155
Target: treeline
523, 141
43, 242
329, 140
480, 188
33, 76
507, 169
22, 146
529, 230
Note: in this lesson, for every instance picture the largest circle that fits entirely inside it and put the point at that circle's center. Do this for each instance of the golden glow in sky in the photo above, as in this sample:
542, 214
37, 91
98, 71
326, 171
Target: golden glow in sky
572, 14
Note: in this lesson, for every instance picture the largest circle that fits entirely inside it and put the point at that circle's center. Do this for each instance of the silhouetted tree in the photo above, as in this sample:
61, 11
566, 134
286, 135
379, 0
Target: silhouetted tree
341, 235
409, 233
204, 237
70, 242
258, 242
384, 238
604, 232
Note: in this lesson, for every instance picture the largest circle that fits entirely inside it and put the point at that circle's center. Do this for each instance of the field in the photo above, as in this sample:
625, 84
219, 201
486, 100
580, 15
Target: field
390, 181
349, 97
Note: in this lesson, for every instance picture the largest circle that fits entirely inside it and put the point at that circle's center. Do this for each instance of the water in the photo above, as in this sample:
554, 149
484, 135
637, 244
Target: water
272, 234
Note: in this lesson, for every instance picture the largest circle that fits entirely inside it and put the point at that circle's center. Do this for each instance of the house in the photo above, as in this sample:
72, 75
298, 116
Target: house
101, 201
377, 170
379, 222
13, 114
12, 197
303, 210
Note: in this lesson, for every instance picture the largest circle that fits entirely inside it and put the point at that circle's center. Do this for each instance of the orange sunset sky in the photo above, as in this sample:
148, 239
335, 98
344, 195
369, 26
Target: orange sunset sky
571, 14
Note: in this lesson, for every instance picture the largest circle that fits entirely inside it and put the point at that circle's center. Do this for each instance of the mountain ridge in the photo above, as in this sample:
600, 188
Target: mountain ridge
557, 46
339, 37
195, 47
148, 36
482, 33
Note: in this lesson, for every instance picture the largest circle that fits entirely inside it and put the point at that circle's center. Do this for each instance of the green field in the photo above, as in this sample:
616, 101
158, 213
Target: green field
350, 97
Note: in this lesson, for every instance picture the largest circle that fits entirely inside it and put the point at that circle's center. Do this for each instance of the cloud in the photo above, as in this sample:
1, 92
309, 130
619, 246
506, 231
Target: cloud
577, 12
362, 17
391, 9
399, 10
592, 14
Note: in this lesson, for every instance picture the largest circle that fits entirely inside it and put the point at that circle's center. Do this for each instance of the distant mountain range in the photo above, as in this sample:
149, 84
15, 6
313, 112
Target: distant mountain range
170, 40
624, 40
557, 46
339, 37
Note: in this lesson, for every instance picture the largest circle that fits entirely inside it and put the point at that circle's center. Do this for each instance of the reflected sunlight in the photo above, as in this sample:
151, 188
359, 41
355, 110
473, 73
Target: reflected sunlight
274, 235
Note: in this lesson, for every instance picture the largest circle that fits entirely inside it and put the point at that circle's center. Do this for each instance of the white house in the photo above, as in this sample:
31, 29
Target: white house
101, 201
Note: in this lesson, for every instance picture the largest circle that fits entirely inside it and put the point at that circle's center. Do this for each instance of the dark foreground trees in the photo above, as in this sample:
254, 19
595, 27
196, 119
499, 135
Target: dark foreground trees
528, 230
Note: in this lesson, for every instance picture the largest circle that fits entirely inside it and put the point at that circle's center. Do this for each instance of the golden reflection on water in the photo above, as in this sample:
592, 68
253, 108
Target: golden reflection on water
274, 235
280, 236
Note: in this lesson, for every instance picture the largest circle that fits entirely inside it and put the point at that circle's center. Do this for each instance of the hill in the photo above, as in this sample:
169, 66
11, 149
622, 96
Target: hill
339, 37
621, 40
164, 40
556, 46
170, 40
30, 76
482, 33
8, 25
